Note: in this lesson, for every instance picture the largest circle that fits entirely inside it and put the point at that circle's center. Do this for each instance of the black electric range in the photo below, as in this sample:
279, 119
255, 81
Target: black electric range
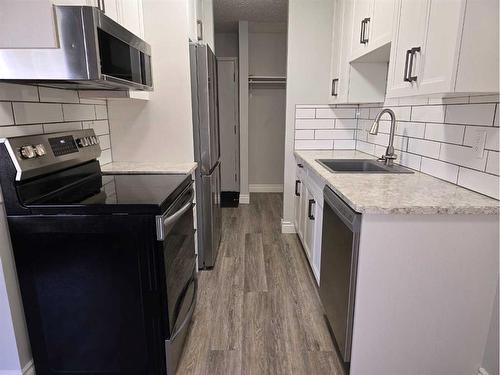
106, 263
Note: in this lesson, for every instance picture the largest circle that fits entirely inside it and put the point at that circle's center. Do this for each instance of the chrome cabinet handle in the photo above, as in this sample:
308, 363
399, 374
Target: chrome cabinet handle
361, 36
405, 73
309, 213
364, 39
297, 183
335, 87
413, 51
199, 23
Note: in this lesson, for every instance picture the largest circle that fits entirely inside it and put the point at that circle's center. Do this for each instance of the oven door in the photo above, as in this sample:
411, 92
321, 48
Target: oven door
176, 230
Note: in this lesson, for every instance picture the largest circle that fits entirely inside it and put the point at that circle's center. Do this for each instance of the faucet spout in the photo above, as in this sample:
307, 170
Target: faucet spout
389, 156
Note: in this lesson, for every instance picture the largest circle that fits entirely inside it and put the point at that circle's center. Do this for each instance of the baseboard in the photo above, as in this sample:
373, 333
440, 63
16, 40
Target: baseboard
265, 188
244, 198
482, 371
287, 227
29, 368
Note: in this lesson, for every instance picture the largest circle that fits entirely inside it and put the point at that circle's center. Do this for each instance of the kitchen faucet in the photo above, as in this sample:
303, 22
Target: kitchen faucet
389, 156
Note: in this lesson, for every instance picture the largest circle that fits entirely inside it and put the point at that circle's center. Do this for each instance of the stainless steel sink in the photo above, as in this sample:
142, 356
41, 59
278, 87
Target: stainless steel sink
361, 166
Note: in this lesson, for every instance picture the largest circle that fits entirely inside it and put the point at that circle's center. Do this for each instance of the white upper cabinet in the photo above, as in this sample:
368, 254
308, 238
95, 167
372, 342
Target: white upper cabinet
127, 13
444, 47
22, 29
339, 66
372, 25
201, 21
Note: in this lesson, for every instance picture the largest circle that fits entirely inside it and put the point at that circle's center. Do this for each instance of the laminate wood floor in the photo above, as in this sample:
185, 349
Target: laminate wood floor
258, 311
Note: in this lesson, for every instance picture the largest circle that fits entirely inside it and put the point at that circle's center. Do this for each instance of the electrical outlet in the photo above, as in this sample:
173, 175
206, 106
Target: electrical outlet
479, 141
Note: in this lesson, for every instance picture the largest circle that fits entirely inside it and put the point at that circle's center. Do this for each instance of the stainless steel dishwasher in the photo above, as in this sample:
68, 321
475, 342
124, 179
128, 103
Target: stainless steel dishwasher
339, 260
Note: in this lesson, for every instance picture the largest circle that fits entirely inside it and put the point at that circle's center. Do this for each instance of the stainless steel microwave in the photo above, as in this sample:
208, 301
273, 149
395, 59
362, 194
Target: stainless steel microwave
94, 52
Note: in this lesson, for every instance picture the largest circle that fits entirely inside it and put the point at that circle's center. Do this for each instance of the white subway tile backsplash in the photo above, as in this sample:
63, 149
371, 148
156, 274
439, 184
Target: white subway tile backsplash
78, 112
57, 95
61, 127
18, 131
336, 113
424, 148
493, 163
315, 144
104, 142
445, 133
368, 148
463, 156
314, 124
492, 137
440, 169
485, 99
479, 181
6, 115
305, 113
433, 136
304, 134
402, 113
30, 113
36, 110
346, 123
101, 112
100, 126
409, 160
428, 113
334, 134
470, 114
344, 144
106, 157
21, 93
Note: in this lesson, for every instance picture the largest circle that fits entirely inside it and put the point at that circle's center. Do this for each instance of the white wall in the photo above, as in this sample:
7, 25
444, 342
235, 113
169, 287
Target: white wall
160, 129
26, 110
308, 76
226, 44
266, 114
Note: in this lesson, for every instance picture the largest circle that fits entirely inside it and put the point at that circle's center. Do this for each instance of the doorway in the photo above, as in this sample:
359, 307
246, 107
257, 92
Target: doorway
227, 68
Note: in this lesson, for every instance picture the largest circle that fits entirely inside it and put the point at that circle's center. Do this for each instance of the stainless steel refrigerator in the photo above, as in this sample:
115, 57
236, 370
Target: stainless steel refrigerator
207, 152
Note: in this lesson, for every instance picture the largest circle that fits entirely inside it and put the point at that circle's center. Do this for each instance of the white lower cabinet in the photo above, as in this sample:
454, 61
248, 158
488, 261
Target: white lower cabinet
309, 217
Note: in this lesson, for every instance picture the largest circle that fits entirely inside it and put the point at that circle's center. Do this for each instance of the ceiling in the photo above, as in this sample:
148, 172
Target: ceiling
227, 13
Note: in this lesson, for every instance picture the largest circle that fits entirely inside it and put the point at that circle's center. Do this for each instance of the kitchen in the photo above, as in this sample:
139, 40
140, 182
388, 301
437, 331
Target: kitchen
322, 259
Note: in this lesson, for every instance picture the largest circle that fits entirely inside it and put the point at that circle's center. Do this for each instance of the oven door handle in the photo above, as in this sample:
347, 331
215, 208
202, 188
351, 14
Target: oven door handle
163, 223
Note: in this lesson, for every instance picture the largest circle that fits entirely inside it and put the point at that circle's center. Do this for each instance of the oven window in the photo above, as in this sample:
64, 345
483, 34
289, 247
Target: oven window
118, 59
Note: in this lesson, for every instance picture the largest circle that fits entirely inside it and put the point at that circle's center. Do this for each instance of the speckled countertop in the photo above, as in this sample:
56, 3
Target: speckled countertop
148, 168
416, 193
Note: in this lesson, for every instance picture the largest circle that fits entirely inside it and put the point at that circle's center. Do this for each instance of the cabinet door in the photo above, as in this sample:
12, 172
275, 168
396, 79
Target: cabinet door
436, 74
318, 229
336, 49
362, 11
310, 214
131, 16
410, 29
112, 9
380, 27
303, 211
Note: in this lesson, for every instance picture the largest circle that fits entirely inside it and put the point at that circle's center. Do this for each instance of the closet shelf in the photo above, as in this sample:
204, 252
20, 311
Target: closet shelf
266, 79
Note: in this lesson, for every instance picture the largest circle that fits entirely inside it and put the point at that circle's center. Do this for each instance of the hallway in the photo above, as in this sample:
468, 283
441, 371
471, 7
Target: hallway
258, 311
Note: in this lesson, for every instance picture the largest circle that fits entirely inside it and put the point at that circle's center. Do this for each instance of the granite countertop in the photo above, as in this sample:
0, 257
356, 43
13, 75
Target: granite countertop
125, 167
416, 193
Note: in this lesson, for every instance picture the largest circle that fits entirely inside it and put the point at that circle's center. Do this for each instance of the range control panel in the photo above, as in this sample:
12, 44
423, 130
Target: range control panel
37, 154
